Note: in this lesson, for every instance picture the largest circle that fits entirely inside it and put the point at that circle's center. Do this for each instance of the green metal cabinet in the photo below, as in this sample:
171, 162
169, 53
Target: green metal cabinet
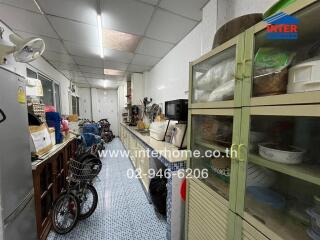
218, 64
291, 119
296, 185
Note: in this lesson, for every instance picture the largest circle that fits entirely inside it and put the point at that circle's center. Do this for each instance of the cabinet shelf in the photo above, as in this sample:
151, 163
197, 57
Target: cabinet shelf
211, 146
286, 99
287, 227
305, 172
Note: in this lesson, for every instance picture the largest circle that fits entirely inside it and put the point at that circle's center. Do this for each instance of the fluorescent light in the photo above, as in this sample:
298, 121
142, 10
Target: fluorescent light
100, 34
105, 83
113, 72
36, 3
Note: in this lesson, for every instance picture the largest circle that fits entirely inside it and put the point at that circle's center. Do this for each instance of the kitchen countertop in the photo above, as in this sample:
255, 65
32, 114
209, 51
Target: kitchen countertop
162, 148
56, 148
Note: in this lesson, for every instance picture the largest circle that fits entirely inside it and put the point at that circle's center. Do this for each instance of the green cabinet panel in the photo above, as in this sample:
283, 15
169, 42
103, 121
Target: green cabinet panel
279, 72
274, 183
279, 177
216, 78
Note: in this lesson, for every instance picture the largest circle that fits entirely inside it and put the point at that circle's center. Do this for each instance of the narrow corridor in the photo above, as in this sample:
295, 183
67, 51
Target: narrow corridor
123, 210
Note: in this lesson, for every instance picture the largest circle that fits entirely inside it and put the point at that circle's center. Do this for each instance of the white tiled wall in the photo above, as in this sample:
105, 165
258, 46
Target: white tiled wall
169, 79
85, 103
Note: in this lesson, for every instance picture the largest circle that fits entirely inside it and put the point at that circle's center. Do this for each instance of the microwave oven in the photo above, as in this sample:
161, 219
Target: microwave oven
177, 110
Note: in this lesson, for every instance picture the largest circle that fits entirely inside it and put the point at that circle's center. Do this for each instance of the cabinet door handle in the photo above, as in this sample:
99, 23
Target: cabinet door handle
248, 68
241, 148
3, 116
233, 150
239, 70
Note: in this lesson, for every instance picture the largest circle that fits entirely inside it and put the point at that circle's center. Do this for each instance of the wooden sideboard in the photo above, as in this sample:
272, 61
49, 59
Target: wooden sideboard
49, 178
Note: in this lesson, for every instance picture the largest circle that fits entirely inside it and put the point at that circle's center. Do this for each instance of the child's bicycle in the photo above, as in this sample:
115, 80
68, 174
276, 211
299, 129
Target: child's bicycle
80, 199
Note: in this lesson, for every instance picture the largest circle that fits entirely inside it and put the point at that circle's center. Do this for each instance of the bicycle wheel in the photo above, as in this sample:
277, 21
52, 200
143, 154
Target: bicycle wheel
88, 202
65, 213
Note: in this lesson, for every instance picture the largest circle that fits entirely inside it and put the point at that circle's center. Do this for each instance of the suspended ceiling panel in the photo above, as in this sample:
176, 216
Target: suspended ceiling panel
127, 16
24, 4
78, 10
75, 31
153, 47
91, 62
187, 8
82, 50
153, 2
166, 26
138, 68
69, 29
31, 22
118, 56
144, 60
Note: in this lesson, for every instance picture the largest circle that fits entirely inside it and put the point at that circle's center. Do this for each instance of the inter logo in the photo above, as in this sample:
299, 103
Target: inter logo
282, 26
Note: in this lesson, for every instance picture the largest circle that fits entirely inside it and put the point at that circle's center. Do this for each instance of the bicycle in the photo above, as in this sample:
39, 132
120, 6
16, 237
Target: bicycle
80, 199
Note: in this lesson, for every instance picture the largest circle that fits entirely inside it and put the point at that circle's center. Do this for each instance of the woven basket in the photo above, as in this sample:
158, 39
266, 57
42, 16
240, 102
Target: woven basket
270, 84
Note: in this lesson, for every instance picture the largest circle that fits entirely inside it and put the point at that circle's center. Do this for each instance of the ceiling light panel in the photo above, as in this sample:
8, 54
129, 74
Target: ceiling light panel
100, 35
113, 72
119, 40
115, 65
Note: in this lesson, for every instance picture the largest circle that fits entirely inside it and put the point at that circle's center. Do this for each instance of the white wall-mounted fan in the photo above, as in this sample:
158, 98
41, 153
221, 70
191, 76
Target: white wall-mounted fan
23, 50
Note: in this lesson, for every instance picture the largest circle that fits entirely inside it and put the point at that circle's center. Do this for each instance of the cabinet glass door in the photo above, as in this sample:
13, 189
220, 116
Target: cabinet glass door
284, 71
281, 181
215, 79
212, 137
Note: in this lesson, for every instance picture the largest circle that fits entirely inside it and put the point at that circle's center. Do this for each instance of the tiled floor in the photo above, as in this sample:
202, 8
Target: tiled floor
123, 210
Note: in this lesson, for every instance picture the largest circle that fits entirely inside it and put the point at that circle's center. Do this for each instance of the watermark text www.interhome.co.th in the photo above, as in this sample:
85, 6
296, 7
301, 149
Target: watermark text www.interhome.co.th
170, 153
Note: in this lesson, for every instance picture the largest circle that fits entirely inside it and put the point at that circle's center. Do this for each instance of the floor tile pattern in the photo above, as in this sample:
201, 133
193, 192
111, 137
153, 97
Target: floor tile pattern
123, 210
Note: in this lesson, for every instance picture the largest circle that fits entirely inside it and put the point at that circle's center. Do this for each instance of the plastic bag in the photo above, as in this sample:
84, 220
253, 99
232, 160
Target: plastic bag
201, 95
158, 194
217, 75
224, 92
269, 60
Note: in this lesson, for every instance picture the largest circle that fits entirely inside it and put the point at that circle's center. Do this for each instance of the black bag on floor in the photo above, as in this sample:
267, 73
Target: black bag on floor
158, 194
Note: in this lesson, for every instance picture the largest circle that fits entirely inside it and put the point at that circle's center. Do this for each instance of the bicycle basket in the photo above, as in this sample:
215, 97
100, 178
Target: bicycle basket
85, 171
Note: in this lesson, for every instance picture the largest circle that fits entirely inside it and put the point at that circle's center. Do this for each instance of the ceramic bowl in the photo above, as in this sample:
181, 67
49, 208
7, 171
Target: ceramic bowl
292, 155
